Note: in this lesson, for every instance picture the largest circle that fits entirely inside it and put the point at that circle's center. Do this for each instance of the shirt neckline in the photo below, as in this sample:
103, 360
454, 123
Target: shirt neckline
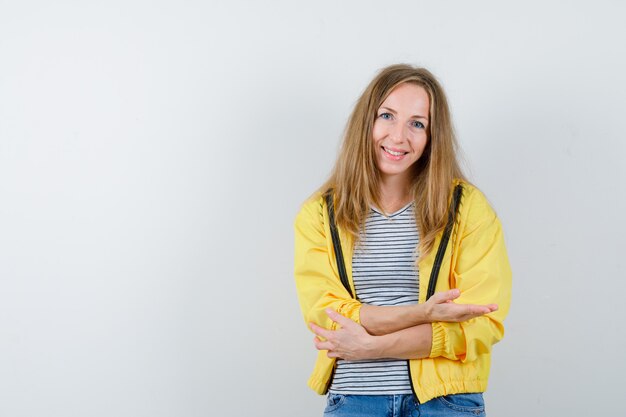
394, 214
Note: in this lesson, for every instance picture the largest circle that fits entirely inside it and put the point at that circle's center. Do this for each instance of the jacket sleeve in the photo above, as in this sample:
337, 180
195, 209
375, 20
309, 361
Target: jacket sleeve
317, 282
482, 273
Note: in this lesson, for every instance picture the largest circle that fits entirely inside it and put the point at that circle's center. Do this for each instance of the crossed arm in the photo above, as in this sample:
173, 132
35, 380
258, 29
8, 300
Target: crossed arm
402, 332
439, 327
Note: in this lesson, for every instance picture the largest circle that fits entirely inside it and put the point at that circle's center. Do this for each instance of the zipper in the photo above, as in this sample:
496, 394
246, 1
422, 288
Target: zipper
341, 266
408, 367
330, 380
441, 251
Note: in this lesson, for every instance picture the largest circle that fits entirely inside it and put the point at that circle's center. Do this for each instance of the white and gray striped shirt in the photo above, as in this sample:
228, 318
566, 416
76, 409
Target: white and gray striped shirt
384, 274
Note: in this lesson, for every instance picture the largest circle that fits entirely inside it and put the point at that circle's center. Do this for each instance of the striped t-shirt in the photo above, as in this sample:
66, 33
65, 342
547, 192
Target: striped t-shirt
384, 274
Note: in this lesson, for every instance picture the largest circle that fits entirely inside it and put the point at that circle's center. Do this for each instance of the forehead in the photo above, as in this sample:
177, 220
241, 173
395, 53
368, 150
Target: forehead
408, 98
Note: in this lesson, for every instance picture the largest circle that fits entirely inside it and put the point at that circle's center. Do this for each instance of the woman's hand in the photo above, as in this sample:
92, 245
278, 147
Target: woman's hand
351, 341
440, 307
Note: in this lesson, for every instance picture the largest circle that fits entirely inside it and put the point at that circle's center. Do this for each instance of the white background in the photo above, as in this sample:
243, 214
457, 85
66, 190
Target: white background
153, 155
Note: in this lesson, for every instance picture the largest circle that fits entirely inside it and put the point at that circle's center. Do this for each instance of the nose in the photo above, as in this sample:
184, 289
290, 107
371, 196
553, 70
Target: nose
397, 133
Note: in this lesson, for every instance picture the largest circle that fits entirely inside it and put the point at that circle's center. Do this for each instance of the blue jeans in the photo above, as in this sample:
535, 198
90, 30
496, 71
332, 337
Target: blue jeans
404, 405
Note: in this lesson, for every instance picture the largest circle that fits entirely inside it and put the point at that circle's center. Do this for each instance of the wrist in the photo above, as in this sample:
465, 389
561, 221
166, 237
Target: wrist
378, 347
423, 314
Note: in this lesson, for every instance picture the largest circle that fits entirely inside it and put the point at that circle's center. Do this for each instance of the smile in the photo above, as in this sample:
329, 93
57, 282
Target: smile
395, 154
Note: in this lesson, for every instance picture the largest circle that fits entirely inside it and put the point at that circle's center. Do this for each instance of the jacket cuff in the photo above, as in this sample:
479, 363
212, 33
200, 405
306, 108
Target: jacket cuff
350, 309
438, 347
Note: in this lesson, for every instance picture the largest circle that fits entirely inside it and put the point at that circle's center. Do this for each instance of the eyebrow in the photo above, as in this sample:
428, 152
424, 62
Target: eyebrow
416, 116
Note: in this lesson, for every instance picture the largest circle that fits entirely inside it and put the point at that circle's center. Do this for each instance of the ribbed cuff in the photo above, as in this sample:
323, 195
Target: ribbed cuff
351, 310
439, 340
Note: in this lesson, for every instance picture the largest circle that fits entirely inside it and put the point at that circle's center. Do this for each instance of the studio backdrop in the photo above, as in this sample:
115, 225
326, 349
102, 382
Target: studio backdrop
153, 155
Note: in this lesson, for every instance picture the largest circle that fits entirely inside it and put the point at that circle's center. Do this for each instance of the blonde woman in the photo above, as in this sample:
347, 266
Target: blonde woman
406, 218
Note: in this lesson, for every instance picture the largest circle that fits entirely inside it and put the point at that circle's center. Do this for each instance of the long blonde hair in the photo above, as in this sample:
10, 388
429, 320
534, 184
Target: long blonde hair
355, 178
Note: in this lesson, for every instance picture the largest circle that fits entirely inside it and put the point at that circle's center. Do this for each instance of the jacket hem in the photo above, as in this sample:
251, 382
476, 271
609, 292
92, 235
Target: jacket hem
427, 393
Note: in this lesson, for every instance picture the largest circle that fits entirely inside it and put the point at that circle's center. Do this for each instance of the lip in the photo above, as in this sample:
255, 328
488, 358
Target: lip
393, 157
393, 149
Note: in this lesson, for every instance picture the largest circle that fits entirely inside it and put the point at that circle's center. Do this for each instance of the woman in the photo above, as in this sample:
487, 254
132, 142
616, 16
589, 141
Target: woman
395, 188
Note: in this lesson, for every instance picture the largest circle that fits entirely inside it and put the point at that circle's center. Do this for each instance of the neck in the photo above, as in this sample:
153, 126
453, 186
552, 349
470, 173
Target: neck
395, 193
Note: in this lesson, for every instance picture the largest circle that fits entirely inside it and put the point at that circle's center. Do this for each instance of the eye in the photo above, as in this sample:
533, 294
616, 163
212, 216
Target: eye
417, 124
385, 116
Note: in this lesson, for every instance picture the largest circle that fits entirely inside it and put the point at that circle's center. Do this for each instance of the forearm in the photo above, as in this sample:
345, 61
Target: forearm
383, 320
412, 343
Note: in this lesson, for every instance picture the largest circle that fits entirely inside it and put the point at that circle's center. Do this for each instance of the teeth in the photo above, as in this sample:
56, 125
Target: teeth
394, 153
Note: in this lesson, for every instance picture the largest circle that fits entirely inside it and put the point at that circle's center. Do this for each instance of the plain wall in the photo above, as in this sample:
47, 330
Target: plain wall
153, 155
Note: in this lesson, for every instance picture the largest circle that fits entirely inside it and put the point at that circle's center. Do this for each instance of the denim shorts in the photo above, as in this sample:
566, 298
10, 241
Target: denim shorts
404, 405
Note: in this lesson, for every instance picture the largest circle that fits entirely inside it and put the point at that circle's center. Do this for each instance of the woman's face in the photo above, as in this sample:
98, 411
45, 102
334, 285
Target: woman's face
400, 129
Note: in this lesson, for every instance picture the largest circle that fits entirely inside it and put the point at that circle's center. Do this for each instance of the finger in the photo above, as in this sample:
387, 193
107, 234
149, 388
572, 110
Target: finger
320, 331
446, 296
488, 308
472, 310
338, 318
322, 345
453, 312
479, 310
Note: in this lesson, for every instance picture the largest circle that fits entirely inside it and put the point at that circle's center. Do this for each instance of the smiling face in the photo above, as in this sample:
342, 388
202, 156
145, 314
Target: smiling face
400, 130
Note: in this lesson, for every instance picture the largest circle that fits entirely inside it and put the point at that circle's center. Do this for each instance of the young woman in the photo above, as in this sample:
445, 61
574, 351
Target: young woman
406, 218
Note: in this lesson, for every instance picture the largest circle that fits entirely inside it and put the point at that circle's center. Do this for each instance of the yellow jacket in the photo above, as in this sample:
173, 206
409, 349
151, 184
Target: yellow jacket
475, 262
